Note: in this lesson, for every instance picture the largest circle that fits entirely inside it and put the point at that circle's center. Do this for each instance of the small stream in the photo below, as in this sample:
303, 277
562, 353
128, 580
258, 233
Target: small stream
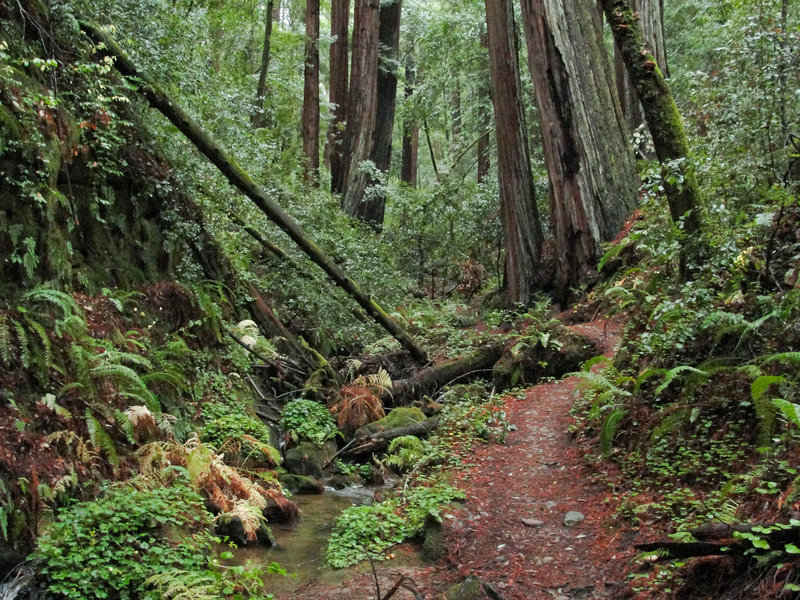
301, 545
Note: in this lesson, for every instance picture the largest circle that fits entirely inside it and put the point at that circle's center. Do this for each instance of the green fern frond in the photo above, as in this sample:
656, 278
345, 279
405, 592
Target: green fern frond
600, 381
761, 384
609, 431
645, 375
100, 438
5, 339
119, 373
789, 409
186, 585
670, 376
61, 300
22, 343
119, 357
170, 379
596, 360
40, 331
125, 425
671, 418
786, 357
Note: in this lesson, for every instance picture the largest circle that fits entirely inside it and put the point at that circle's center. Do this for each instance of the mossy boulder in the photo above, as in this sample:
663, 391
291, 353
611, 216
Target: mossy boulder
300, 484
232, 527
309, 459
472, 588
398, 417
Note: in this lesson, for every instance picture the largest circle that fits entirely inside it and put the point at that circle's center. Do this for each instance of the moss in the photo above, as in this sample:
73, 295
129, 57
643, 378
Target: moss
399, 417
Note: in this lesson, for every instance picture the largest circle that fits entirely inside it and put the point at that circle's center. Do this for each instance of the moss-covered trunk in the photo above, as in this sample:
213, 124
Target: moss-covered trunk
660, 112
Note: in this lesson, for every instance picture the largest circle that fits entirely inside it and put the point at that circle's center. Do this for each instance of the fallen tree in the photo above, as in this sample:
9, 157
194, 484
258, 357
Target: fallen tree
238, 177
380, 439
430, 380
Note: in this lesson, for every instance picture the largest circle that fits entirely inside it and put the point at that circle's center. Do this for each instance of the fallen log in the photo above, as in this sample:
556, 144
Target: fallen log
238, 177
380, 440
430, 380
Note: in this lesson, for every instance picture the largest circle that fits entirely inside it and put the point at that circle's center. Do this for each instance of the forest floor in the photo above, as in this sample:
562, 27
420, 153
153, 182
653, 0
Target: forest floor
510, 530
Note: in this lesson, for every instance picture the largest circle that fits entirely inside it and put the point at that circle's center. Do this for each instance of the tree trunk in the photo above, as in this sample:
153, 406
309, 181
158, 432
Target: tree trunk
484, 119
242, 180
389, 41
380, 440
258, 118
311, 94
523, 233
651, 17
661, 114
361, 108
340, 28
408, 169
593, 180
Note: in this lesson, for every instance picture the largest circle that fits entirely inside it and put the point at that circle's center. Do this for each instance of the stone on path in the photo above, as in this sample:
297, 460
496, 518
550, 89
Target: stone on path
572, 518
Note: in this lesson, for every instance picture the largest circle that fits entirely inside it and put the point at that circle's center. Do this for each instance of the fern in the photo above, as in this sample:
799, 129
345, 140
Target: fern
671, 418
789, 409
670, 376
609, 431
39, 330
61, 300
786, 357
762, 383
185, 585
22, 344
5, 339
125, 425
100, 438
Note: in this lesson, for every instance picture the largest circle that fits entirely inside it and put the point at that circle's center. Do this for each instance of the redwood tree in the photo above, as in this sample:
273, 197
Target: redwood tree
408, 168
311, 94
593, 180
521, 227
258, 116
361, 108
340, 29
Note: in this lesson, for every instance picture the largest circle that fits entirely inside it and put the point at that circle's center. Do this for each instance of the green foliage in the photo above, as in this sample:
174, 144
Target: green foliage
308, 420
109, 547
244, 431
407, 452
369, 531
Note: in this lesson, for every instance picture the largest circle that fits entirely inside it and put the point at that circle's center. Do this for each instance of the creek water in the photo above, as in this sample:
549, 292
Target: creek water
301, 545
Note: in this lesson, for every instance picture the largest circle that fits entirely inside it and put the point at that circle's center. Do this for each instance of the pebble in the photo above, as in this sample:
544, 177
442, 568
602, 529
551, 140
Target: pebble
548, 560
532, 522
572, 518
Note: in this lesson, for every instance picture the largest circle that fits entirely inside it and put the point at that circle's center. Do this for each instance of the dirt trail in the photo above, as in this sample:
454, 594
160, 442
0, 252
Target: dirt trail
539, 475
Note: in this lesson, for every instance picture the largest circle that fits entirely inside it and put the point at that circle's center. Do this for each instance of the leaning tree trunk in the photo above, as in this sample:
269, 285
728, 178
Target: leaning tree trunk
521, 227
408, 167
258, 117
311, 94
661, 114
389, 42
361, 107
241, 179
340, 28
651, 17
593, 180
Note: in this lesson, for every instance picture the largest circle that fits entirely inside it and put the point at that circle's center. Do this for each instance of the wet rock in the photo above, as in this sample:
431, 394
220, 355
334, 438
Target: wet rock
300, 484
232, 527
572, 518
472, 588
434, 546
308, 459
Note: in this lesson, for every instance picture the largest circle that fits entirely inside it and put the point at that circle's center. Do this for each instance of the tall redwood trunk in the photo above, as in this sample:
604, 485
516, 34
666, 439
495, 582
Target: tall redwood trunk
651, 16
593, 179
258, 117
311, 94
408, 168
361, 106
340, 29
484, 120
389, 44
521, 227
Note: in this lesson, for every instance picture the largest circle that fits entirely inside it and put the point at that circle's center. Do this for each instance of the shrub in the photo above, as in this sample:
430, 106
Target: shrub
308, 420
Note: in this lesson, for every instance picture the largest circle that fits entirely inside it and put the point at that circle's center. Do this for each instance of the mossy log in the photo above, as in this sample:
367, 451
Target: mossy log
238, 177
430, 380
380, 440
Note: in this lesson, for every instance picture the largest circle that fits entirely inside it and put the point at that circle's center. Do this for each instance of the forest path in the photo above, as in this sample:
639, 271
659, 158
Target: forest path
511, 532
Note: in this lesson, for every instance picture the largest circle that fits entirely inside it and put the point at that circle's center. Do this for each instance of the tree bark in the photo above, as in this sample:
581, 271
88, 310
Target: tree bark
520, 217
408, 169
258, 118
389, 43
593, 179
238, 177
340, 28
432, 379
661, 114
378, 441
484, 119
361, 108
311, 94
651, 17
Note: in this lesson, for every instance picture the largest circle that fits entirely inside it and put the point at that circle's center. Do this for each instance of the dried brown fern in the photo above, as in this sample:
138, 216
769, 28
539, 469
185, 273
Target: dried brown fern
360, 401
